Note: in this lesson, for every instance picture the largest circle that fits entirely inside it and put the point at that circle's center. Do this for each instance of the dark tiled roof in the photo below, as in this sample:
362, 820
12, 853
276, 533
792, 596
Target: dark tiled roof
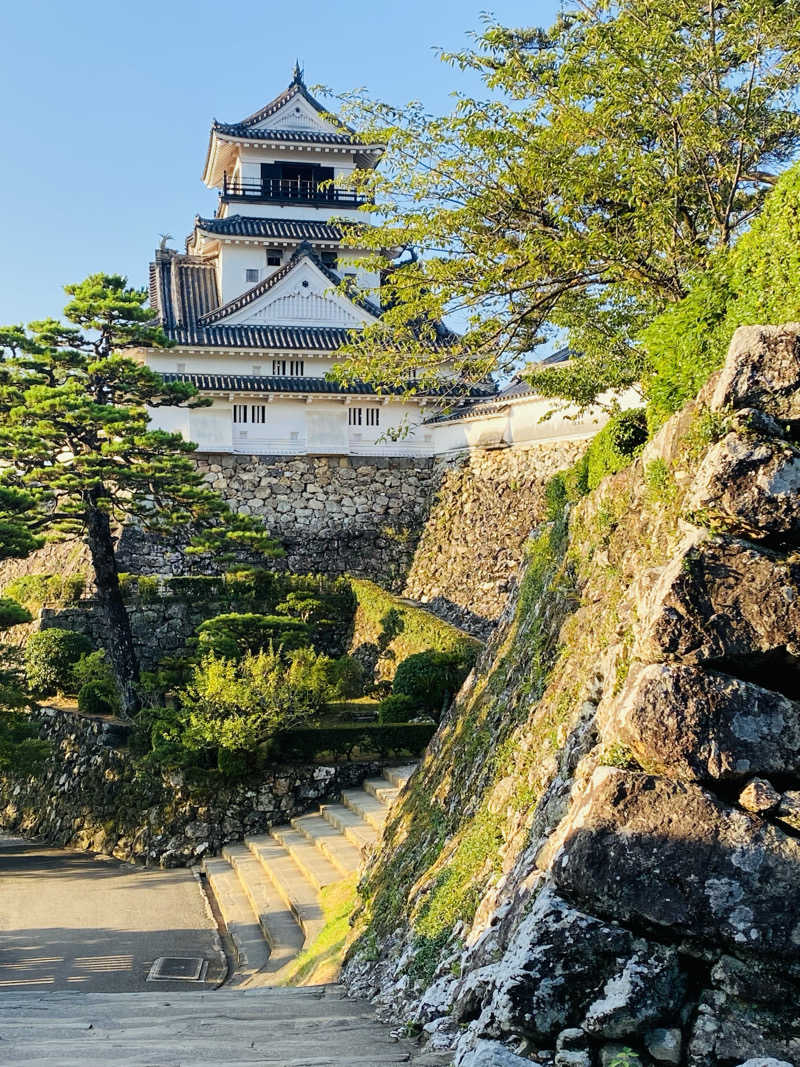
290, 229
240, 129
284, 338
250, 383
303, 251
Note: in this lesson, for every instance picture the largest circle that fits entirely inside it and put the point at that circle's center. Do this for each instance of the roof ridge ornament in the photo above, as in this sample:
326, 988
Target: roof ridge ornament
297, 74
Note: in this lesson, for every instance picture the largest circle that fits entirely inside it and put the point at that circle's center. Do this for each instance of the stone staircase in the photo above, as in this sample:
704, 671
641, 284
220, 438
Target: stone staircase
268, 887
316, 1026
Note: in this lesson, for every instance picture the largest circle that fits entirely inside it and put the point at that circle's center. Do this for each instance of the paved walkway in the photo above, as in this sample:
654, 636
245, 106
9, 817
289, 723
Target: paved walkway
72, 921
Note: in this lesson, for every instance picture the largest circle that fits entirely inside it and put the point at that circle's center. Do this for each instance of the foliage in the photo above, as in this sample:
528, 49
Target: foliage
230, 708
50, 659
397, 707
757, 281
613, 448
74, 425
606, 159
347, 740
96, 684
20, 748
233, 635
346, 678
36, 590
431, 679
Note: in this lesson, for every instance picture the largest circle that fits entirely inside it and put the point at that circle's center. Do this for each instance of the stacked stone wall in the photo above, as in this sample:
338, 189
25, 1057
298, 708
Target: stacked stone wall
487, 504
91, 794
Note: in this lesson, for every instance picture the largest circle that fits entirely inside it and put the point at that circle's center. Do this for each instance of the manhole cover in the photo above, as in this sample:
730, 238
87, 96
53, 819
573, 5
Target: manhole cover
178, 969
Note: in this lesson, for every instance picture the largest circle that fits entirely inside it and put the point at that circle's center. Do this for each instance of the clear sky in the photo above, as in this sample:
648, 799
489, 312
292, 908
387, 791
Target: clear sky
106, 110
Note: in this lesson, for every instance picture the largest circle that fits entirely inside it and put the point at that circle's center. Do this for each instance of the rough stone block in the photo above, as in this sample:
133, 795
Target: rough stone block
750, 486
690, 723
731, 1030
645, 849
722, 600
762, 370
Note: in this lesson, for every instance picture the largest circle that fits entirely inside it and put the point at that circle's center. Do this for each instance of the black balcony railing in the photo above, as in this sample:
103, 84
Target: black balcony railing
288, 189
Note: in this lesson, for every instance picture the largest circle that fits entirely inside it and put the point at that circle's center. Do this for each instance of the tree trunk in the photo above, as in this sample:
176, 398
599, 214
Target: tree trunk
119, 640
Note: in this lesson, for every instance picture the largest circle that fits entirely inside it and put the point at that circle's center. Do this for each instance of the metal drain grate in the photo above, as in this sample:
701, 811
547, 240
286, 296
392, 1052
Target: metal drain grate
178, 969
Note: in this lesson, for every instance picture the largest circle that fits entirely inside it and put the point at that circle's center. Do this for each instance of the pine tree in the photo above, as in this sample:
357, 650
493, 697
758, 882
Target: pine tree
74, 432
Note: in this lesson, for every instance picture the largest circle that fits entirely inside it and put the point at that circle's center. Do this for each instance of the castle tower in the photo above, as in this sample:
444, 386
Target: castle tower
252, 304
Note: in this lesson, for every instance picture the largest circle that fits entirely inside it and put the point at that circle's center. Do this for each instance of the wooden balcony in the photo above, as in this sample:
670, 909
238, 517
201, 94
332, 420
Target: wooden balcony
289, 191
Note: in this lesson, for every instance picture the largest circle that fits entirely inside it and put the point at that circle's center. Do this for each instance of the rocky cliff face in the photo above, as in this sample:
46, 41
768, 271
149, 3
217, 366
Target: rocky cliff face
599, 858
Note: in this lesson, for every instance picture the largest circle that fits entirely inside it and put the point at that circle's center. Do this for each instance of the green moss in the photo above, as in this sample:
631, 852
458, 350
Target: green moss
321, 961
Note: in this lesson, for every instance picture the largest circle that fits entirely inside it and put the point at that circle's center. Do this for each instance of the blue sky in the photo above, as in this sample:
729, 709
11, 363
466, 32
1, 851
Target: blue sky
106, 109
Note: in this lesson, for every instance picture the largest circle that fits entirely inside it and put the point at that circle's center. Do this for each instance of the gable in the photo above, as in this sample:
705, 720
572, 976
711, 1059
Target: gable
296, 113
303, 297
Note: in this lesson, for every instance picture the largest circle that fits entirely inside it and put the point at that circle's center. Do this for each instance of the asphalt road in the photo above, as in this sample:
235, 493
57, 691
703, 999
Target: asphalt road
69, 920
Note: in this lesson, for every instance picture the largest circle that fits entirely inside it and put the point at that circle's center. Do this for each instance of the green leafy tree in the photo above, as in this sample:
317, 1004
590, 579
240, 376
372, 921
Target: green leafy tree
74, 430
610, 156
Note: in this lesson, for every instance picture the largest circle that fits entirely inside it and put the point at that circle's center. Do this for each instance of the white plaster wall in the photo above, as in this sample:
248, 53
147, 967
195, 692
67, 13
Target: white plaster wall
167, 360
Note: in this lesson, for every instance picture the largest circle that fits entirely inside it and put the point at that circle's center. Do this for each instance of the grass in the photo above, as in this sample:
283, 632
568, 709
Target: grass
321, 961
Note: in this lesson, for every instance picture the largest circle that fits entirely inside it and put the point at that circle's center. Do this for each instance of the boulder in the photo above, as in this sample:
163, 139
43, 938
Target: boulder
492, 1054
690, 723
650, 987
724, 601
556, 965
788, 810
762, 370
759, 796
750, 486
644, 849
729, 1030
664, 1044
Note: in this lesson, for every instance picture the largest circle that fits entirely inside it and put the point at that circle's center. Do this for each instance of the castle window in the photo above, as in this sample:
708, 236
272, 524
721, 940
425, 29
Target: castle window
296, 367
240, 413
258, 414
251, 275
329, 258
354, 416
279, 366
373, 416
273, 259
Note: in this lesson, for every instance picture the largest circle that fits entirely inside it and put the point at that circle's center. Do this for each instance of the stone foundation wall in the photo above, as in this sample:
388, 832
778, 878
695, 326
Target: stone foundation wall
91, 795
487, 504
333, 514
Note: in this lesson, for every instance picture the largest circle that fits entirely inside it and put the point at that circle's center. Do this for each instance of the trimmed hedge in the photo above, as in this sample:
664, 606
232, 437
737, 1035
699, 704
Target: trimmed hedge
316, 742
430, 680
233, 635
50, 658
36, 590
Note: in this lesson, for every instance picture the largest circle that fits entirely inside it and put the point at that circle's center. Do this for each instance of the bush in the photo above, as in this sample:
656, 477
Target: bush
233, 635
616, 445
398, 707
756, 282
97, 687
430, 679
50, 658
346, 678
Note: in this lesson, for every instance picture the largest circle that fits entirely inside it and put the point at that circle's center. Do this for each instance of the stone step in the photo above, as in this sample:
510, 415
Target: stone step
277, 923
297, 893
381, 789
330, 841
355, 829
398, 776
317, 869
371, 810
252, 952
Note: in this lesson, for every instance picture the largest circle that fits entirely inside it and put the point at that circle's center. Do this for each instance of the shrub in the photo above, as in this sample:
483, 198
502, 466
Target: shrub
757, 281
398, 707
430, 679
50, 658
253, 583
97, 687
346, 678
613, 448
233, 635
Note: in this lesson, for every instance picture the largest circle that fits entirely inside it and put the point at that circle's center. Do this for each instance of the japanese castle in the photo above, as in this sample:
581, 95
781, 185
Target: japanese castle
255, 303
